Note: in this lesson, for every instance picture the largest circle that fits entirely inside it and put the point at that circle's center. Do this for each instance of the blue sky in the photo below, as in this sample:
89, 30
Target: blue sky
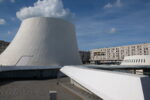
99, 23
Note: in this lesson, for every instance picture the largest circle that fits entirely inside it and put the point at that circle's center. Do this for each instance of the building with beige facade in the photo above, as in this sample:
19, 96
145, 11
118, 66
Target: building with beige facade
117, 54
3, 45
85, 57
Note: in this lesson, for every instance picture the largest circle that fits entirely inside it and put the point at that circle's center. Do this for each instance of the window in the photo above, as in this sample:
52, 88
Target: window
144, 60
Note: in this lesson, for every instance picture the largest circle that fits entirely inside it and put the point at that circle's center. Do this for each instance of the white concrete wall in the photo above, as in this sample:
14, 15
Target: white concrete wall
110, 85
136, 60
42, 41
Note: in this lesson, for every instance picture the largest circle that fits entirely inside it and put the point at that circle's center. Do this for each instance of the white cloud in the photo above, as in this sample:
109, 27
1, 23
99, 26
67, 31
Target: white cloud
118, 3
9, 32
12, 1
1, 1
113, 30
13, 18
45, 8
109, 5
2, 21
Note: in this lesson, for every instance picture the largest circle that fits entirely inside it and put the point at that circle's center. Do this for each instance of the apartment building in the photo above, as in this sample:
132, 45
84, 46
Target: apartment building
3, 45
117, 54
85, 57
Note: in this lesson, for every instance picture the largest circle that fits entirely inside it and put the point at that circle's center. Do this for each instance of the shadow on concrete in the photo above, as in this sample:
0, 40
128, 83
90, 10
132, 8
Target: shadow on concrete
3, 82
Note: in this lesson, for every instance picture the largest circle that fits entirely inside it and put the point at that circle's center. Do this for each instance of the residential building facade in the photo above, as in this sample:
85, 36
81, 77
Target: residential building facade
85, 57
117, 54
3, 45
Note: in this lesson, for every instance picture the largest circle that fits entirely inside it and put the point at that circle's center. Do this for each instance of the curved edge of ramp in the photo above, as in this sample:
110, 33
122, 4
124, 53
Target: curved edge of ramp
110, 85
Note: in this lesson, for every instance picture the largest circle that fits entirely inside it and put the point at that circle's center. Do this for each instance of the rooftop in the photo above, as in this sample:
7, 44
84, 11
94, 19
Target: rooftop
39, 90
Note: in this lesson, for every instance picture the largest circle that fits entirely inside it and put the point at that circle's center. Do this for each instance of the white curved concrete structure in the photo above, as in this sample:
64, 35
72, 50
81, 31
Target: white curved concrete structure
42, 41
110, 85
136, 60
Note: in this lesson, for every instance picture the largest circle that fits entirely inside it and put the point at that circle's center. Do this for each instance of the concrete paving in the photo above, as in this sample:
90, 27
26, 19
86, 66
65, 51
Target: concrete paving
39, 90
77, 91
34, 90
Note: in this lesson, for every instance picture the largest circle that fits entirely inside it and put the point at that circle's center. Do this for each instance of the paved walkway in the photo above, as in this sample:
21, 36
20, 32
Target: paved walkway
79, 92
33, 90
39, 90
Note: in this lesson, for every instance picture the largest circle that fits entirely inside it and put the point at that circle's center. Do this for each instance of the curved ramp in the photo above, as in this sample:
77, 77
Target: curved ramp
110, 85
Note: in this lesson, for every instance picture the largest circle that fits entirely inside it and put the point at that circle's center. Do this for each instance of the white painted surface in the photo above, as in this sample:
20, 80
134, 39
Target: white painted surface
136, 60
110, 85
47, 42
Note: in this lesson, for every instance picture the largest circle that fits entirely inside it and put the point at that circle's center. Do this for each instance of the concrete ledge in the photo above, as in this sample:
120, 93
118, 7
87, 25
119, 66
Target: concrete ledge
19, 68
32, 74
111, 85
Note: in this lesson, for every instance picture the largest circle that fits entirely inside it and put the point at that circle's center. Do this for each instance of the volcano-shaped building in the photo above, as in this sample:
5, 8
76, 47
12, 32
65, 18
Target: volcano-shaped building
42, 41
